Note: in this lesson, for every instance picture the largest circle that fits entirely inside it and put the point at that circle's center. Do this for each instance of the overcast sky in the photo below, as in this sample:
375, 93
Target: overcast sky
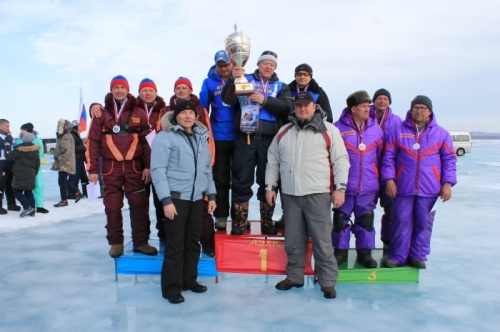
447, 50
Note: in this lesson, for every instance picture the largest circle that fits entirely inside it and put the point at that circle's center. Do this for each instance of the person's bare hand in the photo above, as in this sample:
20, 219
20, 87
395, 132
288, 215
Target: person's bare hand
338, 199
170, 211
391, 189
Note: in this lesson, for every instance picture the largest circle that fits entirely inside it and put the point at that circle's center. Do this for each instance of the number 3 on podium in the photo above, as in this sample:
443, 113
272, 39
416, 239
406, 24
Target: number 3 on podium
263, 259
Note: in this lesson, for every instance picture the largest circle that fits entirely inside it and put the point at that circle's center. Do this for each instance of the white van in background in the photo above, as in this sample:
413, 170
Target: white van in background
49, 145
462, 142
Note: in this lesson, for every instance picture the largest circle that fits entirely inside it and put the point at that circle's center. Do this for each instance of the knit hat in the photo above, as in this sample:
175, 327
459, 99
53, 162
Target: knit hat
424, 100
303, 98
270, 56
357, 98
304, 67
221, 56
147, 83
75, 123
184, 105
119, 80
382, 92
28, 137
28, 127
183, 80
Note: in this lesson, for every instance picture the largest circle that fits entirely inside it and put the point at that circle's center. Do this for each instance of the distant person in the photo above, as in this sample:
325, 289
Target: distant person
39, 184
80, 157
363, 140
6, 170
64, 162
182, 176
387, 121
419, 167
308, 154
119, 136
271, 103
222, 118
26, 165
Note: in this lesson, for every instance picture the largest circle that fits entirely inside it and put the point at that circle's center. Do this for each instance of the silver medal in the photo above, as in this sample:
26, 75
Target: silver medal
116, 129
362, 147
416, 146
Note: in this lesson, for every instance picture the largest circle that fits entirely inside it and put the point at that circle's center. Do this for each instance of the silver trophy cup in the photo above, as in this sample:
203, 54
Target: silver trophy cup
238, 51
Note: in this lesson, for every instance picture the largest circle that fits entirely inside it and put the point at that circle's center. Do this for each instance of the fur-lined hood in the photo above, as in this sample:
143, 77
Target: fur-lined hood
28, 147
63, 126
160, 103
129, 107
168, 126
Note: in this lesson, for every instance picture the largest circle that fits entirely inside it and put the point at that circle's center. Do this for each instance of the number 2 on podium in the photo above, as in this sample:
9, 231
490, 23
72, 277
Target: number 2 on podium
263, 259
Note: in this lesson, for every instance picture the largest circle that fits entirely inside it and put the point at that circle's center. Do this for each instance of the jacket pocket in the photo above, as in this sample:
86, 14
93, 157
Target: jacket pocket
436, 173
400, 170
107, 167
137, 168
376, 170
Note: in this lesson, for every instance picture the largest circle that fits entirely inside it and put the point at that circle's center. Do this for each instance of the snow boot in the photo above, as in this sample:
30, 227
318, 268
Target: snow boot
365, 258
116, 250
341, 255
238, 225
266, 219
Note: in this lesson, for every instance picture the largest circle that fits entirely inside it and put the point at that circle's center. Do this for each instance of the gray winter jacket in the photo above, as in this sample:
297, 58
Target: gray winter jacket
302, 159
181, 169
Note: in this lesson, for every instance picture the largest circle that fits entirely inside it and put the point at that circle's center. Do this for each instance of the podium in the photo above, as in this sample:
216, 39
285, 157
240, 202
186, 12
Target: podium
256, 253
139, 264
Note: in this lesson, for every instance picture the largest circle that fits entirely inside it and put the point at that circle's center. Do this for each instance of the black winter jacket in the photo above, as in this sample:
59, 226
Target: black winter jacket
79, 147
26, 164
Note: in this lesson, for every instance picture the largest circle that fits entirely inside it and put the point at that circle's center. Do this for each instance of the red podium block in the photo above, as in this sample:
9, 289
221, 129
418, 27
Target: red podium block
254, 253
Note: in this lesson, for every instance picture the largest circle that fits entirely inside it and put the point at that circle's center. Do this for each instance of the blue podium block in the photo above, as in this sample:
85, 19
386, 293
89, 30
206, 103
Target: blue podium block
139, 264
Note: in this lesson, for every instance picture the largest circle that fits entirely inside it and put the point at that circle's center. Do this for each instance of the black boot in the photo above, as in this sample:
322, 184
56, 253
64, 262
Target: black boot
2, 210
13, 207
239, 223
266, 219
341, 255
365, 258
280, 223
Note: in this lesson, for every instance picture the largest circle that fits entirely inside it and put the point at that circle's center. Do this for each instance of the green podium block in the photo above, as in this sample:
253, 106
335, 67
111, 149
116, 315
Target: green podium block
352, 271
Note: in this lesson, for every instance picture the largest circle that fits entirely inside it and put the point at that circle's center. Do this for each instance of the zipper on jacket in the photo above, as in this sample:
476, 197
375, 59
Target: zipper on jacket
195, 162
360, 171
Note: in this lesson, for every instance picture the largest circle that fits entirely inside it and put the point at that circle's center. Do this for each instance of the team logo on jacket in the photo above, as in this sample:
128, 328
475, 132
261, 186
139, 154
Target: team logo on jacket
136, 120
406, 135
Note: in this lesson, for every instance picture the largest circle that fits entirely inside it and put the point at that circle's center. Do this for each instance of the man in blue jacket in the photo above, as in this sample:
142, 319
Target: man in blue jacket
6, 169
222, 117
267, 108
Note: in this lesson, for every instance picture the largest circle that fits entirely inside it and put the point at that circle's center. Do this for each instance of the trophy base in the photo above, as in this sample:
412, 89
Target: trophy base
244, 89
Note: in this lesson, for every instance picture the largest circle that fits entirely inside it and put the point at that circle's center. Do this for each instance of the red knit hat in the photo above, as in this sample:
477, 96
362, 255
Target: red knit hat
119, 80
147, 83
183, 80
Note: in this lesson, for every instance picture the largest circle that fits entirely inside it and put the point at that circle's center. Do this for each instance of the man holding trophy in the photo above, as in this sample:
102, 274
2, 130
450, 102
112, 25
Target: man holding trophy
263, 102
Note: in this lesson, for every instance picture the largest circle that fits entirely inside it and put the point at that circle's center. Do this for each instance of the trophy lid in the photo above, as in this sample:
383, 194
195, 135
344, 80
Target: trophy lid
238, 47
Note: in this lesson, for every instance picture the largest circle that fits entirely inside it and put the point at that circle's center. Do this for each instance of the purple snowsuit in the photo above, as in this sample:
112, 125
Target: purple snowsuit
387, 123
363, 182
419, 175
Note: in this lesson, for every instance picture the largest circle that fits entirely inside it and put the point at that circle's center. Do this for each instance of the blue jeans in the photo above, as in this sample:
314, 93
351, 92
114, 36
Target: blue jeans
25, 197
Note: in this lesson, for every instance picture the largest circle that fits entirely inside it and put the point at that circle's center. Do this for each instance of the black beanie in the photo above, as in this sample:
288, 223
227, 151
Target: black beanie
424, 100
304, 67
28, 127
184, 105
382, 92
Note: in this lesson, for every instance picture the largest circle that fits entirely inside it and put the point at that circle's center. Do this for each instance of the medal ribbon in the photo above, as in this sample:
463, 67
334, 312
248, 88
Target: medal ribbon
150, 110
305, 89
383, 118
359, 130
264, 86
118, 114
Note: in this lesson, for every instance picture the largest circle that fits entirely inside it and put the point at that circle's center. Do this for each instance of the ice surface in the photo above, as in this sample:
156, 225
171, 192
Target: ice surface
56, 275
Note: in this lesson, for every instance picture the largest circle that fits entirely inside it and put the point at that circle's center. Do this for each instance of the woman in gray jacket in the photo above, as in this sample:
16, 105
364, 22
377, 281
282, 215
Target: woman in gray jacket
182, 176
